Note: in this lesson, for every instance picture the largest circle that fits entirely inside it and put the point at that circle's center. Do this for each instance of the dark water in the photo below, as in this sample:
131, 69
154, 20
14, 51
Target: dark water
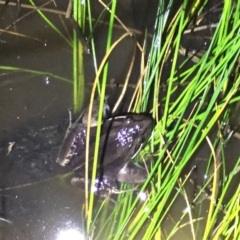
37, 200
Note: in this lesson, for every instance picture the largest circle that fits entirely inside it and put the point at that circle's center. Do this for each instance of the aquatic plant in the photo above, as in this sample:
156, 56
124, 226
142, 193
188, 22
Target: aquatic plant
195, 99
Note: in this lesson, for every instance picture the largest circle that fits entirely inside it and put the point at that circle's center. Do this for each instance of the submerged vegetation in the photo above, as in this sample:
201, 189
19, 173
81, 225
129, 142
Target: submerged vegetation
191, 94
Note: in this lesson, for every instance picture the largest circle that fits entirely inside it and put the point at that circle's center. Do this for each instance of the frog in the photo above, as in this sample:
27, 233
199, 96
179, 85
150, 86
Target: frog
121, 139
76, 132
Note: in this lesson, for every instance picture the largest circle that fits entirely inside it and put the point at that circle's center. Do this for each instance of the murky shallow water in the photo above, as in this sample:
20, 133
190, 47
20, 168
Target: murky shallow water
38, 200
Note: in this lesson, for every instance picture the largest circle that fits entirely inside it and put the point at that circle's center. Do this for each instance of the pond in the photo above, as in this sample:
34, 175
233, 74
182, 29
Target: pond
37, 200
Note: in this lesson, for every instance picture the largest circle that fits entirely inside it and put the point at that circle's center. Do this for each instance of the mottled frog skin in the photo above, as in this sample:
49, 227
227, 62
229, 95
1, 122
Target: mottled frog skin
121, 138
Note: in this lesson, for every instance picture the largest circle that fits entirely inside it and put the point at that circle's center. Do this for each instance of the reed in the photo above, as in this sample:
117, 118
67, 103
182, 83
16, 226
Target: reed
196, 100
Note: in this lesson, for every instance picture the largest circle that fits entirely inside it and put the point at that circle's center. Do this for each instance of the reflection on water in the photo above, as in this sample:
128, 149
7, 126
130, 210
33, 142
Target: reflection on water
73, 234
41, 210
